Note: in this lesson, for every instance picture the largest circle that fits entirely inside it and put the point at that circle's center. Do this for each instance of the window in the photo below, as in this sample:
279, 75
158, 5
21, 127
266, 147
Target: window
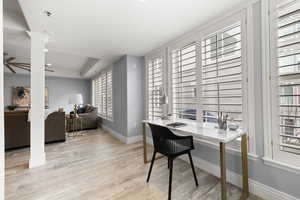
154, 88
103, 94
184, 79
285, 87
222, 77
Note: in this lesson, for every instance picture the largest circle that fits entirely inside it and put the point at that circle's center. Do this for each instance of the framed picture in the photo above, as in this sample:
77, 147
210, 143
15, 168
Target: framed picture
21, 97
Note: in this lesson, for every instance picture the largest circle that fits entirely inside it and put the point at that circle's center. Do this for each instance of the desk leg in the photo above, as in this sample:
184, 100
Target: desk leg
145, 143
223, 170
244, 149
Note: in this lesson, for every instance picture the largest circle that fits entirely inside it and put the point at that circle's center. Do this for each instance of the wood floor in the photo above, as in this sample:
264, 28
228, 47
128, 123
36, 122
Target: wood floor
97, 166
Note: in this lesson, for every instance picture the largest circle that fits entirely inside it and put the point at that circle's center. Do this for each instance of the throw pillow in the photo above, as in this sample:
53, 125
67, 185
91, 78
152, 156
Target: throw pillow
89, 108
81, 110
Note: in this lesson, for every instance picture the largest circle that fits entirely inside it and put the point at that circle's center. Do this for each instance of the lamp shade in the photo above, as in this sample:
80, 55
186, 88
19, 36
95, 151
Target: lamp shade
76, 99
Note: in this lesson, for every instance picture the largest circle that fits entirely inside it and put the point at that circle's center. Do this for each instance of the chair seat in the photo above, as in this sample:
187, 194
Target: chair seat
173, 148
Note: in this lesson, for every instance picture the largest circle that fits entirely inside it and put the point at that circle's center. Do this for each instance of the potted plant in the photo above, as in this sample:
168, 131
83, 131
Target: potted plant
11, 107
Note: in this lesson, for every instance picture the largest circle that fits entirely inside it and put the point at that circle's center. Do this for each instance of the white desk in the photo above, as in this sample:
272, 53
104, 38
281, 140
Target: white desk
207, 131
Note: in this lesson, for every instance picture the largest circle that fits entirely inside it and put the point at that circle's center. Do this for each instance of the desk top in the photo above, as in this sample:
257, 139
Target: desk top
201, 130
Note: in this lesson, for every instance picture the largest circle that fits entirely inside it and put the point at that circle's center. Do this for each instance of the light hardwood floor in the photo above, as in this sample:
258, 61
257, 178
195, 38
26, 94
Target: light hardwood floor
97, 166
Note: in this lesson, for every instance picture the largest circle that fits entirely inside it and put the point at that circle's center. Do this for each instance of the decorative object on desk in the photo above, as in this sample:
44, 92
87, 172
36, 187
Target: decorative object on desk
61, 110
11, 107
222, 120
21, 97
163, 98
76, 100
163, 101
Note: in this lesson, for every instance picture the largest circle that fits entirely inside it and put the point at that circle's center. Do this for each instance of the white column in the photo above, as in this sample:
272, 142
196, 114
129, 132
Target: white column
37, 122
1, 108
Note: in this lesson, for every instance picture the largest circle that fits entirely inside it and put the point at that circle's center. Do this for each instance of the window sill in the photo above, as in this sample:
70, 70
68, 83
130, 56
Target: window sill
281, 165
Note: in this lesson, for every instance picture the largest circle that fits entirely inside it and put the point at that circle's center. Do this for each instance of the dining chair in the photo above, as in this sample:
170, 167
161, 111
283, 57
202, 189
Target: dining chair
170, 145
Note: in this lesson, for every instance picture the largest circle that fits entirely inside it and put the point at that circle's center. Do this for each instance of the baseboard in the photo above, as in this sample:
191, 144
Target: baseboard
115, 134
122, 138
256, 188
133, 139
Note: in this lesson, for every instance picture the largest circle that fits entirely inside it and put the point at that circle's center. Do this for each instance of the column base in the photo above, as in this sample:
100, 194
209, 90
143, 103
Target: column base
37, 161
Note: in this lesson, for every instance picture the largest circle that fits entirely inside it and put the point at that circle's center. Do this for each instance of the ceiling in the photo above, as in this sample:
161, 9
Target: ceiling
106, 30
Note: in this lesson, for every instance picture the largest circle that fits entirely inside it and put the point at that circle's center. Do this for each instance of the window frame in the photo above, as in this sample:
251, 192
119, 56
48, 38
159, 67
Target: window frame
170, 77
245, 16
272, 153
104, 73
245, 13
160, 53
243, 66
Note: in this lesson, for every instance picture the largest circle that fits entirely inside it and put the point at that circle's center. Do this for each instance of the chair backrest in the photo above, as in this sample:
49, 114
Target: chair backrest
160, 133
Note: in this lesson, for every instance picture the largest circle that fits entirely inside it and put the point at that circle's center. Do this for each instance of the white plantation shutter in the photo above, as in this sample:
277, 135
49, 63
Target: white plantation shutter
103, 94
221, 74
98, 93
109, 95
287, 22
183, 73
154, 88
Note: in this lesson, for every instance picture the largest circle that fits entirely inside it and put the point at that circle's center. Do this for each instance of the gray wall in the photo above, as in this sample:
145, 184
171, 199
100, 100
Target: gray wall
59, 89
119, 123
127, 96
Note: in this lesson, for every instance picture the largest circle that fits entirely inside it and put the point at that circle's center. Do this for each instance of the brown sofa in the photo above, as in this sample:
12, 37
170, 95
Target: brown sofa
17, 129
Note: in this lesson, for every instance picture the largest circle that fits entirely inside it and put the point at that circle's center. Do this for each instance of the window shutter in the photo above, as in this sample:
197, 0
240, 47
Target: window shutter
221, 74
184, 101
155, 87
288, 59
98, 93
103, 94
109, 95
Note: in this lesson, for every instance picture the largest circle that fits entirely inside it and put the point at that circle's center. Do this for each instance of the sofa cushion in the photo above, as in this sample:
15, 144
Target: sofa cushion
89, 108
81, 110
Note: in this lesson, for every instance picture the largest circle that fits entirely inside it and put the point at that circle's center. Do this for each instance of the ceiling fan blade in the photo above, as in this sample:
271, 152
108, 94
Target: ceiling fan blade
20, 64
28, 67
49, 70
10, 59
27, 64
24, 68
10, 68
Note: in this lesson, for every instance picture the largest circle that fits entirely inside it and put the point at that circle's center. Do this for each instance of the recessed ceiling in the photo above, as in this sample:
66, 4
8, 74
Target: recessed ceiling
64, 65
17, 44
109, 29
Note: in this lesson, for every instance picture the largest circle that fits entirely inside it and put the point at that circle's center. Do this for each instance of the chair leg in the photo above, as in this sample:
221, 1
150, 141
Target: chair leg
170, 179
193, 168
151, 166
168, 163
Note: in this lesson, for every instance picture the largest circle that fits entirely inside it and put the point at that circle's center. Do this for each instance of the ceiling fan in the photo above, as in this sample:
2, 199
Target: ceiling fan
12, 65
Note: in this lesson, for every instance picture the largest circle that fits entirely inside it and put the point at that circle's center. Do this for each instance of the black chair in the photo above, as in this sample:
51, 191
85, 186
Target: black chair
171, 146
